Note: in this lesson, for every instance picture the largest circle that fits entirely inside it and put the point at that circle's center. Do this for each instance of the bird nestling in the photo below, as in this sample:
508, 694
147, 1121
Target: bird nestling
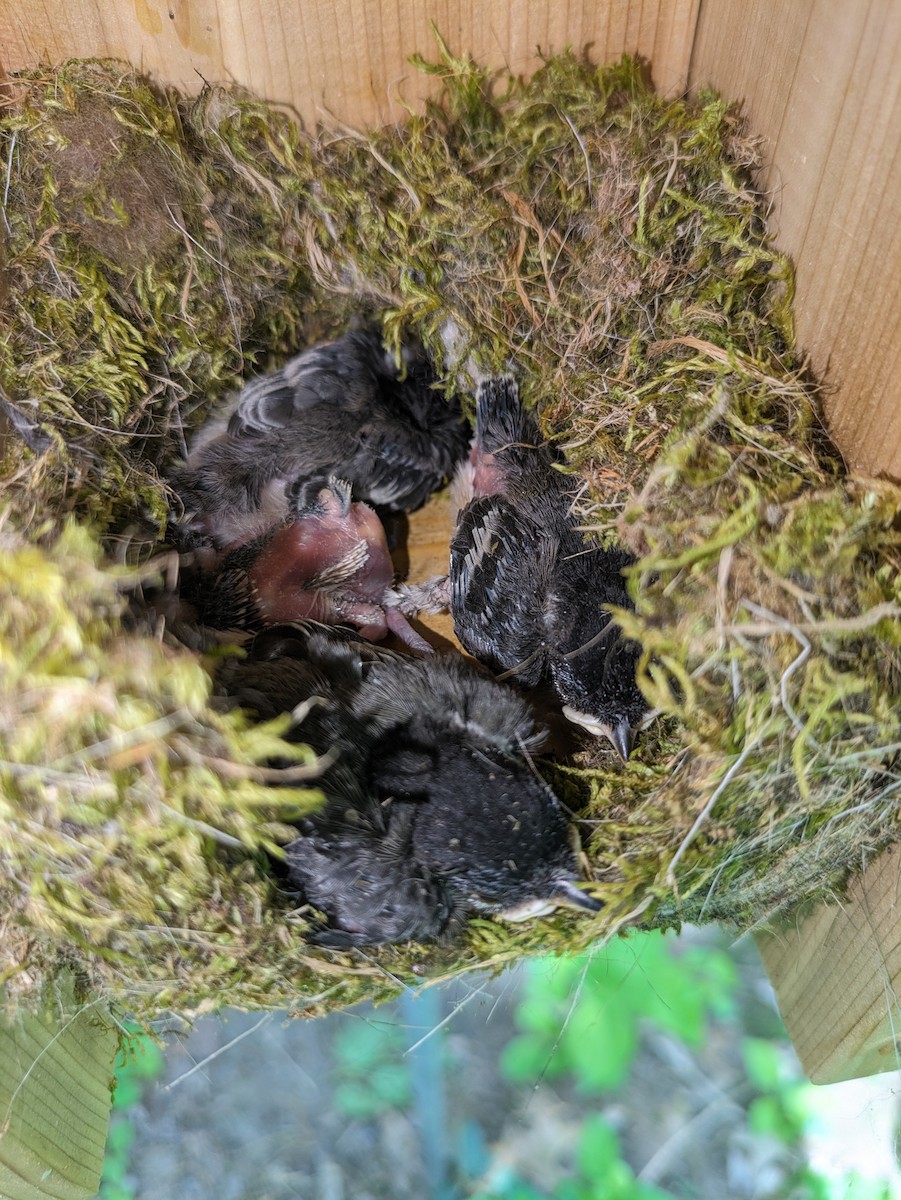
528, 592
341, 408
329, 562
433, 808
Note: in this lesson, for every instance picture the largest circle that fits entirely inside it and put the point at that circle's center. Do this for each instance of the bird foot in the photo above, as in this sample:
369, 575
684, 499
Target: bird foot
401, 627
432, 596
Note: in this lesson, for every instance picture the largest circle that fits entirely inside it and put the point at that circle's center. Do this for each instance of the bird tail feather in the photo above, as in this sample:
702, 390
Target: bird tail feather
501, 421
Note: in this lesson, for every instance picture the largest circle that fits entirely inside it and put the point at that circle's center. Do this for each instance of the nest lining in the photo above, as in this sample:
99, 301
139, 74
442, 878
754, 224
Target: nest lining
608, 243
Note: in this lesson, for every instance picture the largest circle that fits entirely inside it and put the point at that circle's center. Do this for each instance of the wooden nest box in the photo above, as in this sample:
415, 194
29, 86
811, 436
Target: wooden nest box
818, 82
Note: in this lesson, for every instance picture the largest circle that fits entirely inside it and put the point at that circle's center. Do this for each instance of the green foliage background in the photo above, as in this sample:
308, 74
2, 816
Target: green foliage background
579, 1029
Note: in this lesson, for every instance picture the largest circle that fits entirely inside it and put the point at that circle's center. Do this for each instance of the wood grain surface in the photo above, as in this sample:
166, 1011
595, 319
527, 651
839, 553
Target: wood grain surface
837, 974
428, 544
342, 60
820, 82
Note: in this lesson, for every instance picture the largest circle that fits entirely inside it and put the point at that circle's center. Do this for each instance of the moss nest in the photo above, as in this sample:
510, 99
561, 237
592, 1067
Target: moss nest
612, 246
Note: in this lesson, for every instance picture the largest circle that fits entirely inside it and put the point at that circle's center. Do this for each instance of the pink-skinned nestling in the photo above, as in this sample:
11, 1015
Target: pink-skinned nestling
327, 561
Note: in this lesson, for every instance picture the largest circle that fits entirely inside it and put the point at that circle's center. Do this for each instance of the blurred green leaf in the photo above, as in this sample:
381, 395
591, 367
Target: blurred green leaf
118, 1191
582, 1017
598, 1149
765, 1117
536, 1015
810, 1185
798, 1104
115, 1168
525, 1058
574, 1189
763, 1063
583, 1014
360, 1045
391, 1083
139, 1061
121, 1136
127, 1093
355, 1100
721, 980
373, 1075
599, 1043
601, 1163
149, 1059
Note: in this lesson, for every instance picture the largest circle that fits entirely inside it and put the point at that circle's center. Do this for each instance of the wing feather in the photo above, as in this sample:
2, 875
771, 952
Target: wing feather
500, 562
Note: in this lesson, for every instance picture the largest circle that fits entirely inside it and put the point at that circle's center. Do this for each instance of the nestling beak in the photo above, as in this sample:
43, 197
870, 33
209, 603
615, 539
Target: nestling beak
568, 895
621, 736
528, 908
565, 894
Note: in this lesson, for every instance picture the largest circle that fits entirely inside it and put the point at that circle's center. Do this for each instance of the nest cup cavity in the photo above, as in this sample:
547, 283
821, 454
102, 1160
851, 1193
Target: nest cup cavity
608, 243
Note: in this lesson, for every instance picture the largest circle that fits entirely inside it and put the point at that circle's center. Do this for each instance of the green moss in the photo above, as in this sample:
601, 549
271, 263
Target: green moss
144, 270
612, 245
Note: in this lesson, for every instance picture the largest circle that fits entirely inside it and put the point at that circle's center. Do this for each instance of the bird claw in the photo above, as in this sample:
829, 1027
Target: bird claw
401, 627
431, 596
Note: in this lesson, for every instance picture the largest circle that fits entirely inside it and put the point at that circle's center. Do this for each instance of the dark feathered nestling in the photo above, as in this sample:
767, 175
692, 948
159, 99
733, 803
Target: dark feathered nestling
329, 562
340, 408
527, 590
433, 808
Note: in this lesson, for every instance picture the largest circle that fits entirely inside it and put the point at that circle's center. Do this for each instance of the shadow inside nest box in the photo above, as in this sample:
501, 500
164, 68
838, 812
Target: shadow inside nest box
420, 550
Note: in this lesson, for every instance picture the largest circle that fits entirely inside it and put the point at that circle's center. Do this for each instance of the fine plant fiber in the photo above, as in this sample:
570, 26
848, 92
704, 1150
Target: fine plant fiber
603, 242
